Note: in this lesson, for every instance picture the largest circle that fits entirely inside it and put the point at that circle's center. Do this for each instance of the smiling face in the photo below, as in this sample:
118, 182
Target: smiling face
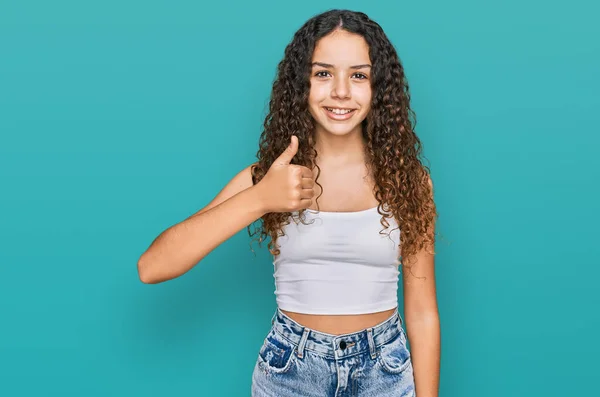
340, 83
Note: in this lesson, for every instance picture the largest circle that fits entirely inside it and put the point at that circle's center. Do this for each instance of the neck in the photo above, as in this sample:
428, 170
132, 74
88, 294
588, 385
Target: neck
340, 148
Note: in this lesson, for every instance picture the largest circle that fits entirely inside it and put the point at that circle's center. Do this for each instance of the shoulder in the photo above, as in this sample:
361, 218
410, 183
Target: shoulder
238, 183
243, 179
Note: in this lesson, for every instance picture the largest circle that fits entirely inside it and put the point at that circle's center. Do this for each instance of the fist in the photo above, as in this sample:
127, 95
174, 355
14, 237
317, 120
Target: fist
287, 187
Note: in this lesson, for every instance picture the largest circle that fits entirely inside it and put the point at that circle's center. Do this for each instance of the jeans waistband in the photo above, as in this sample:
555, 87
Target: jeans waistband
337, 346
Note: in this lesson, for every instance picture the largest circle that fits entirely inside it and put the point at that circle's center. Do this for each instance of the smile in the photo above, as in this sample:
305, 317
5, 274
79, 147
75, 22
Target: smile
339, 111
339, 114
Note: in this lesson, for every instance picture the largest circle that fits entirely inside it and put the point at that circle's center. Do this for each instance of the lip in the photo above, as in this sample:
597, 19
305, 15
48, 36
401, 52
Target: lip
339, 117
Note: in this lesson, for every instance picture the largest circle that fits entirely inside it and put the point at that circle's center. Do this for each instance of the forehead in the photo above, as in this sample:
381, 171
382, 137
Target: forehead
342, 48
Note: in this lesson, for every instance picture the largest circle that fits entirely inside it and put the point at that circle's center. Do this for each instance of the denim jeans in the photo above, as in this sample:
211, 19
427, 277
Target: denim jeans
298, 361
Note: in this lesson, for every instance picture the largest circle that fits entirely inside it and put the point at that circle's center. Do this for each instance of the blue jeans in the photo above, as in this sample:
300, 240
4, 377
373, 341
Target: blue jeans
298, 361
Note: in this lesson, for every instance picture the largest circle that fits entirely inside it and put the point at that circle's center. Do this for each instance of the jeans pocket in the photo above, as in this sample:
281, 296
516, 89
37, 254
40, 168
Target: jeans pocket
394, 356
276, 354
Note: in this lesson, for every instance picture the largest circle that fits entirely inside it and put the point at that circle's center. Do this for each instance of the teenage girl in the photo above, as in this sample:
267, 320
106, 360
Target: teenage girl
341, 192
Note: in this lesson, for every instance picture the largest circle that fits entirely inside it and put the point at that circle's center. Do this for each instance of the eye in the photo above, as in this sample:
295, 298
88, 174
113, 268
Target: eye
362, 76
318, 74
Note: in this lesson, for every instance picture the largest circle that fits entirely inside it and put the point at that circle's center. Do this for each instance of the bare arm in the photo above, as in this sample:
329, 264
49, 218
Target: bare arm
423, 321
423, 324
175, 251
179, 248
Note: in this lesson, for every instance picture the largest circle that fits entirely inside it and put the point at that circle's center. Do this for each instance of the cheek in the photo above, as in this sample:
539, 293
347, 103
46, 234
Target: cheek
364, 96
314, 101
317, 95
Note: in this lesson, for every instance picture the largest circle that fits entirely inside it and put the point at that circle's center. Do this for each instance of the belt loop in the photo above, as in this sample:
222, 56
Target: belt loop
371, 343
273, 318
302, 343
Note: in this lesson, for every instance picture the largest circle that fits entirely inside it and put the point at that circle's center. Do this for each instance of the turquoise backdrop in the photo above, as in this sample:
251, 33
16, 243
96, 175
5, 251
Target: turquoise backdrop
121, 118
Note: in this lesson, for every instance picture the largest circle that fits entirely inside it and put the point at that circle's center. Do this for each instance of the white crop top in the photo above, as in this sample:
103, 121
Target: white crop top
338, 263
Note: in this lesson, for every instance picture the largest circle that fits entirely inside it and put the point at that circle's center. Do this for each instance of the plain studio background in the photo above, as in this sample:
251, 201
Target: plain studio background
119, 119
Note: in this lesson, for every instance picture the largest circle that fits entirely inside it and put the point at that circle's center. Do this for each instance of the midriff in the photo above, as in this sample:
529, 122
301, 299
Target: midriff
339, 324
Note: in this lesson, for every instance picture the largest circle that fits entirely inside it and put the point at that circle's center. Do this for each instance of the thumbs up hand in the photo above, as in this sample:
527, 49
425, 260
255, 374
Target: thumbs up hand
287, 187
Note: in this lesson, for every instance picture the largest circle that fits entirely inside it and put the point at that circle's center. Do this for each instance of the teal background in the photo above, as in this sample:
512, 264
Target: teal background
119, 119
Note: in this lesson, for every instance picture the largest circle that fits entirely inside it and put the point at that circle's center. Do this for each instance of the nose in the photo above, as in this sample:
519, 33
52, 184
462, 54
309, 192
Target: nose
341, 87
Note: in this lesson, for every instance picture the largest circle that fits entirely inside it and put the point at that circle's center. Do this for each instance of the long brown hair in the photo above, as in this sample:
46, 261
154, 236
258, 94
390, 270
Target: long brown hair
393, 150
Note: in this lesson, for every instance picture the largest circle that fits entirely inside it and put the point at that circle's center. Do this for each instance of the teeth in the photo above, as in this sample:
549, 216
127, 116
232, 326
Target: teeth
339, 111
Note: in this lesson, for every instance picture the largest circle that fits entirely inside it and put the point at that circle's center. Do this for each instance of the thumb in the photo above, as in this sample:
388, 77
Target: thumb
288, 154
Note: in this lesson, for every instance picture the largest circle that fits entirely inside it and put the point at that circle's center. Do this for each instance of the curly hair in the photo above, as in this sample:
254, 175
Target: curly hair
392, 149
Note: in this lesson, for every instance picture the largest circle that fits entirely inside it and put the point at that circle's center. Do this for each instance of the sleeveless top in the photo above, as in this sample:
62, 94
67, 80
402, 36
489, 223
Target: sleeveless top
338, 263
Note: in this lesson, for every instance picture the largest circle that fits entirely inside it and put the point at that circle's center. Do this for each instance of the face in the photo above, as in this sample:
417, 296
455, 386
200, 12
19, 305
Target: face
340, 83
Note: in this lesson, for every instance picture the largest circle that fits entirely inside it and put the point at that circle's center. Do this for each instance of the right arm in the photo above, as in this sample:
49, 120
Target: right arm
179, 248
284, 188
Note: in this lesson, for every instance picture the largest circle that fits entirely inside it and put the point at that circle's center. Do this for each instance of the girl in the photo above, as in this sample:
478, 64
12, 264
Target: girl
345, 200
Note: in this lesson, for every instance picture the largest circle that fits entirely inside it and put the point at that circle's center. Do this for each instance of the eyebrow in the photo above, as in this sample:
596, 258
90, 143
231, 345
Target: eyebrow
327, 65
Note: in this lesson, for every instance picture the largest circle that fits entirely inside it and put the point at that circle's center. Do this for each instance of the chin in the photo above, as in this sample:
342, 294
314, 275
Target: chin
341, 130
338, 128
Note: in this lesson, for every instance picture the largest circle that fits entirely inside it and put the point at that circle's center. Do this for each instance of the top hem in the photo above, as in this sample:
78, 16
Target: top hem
328, 311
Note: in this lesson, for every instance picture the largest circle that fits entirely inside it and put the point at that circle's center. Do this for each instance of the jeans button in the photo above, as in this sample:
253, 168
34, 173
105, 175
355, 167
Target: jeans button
342, 345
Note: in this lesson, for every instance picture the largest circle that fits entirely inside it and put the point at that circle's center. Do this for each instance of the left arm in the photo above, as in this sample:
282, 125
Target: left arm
423, 323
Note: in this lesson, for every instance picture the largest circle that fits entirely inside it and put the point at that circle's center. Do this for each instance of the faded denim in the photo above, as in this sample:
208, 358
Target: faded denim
297, 361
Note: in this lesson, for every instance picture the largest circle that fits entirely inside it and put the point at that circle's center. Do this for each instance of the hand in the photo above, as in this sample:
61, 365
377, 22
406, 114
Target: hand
287, 187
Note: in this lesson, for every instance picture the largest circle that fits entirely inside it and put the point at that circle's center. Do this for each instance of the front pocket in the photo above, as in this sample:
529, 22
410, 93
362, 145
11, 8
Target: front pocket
276, 354
394, 356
